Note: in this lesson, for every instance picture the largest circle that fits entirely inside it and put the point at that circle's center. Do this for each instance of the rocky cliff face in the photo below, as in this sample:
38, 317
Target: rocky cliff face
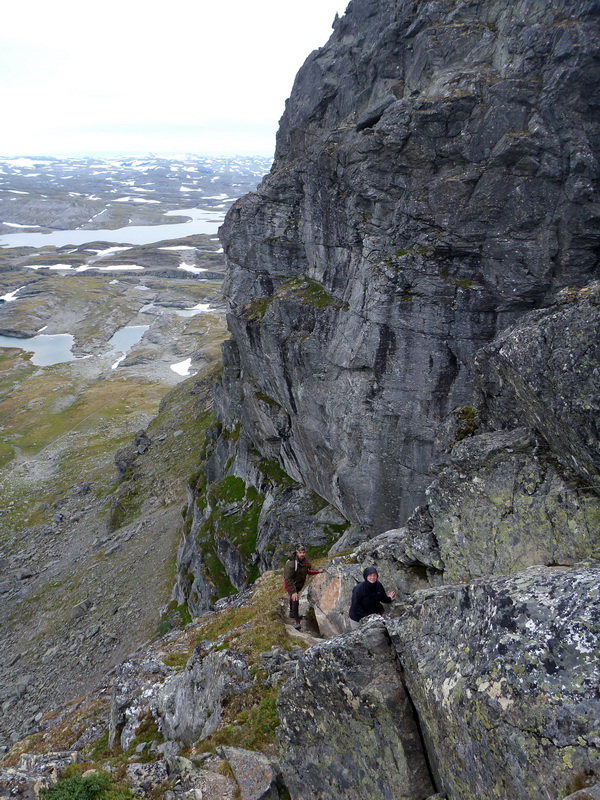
434, 179
412, 378
435, 182
414, 310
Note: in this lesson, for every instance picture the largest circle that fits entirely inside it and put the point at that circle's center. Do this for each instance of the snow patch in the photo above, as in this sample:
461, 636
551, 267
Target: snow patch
190, 268
183, 367
10, 297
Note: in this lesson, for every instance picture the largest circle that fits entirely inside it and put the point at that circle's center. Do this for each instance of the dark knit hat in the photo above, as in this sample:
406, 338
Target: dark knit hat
369, 571
300, 547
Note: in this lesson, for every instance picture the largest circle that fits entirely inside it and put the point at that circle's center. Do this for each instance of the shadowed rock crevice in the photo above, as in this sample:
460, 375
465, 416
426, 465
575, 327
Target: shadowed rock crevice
355, 716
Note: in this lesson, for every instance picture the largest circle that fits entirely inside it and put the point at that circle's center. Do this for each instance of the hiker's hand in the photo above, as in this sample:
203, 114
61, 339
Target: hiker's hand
321, 570
295, 596
392, 595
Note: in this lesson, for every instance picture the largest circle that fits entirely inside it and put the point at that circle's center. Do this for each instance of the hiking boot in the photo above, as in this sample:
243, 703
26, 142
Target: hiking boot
297, 625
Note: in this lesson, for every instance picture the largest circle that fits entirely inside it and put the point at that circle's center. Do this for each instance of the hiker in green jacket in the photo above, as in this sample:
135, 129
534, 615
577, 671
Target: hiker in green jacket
294, 576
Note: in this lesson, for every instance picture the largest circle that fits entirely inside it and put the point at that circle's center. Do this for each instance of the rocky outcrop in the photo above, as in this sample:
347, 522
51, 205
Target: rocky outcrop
545, 373
190, 704
413, 304
254, 773
134, 694
34, 773
403, 279
243, 514
354, 717
434, 179
504, 676
489, 689
502, 505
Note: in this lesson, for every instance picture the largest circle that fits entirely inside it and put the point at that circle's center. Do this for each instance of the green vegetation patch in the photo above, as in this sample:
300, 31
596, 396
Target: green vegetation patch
57, 404
265, 398
250, 719
91, 787
307, 291
467, 422
235, 510
273, 471
254, 722
255, 310
255, 627
55, 258
217, 573
228, 490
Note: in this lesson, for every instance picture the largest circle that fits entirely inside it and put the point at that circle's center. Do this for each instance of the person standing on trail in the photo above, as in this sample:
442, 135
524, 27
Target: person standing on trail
367, 597
294, 577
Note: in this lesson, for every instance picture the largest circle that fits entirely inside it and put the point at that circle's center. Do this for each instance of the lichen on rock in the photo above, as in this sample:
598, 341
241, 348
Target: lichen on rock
347, 727
504, 676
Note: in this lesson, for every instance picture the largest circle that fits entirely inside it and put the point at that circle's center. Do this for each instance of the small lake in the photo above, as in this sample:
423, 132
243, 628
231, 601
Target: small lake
125, 338
47, 349
202, 221
55, 348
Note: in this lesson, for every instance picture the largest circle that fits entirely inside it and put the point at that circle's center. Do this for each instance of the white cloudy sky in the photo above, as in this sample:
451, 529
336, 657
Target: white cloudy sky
132, 76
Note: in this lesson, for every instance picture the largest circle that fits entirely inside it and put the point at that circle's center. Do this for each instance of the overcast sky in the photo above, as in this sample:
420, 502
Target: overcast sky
128, 76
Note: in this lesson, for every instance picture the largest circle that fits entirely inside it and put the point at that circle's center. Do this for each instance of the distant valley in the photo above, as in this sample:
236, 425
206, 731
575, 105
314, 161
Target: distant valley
131, 330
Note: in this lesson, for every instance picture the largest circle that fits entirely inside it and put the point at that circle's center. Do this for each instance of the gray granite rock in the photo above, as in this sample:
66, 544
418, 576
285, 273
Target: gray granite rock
190, 703
434, 181
134, 694
146, 778
545, 372
33, 773
254, 773
592, 793
502, 505
504, 676
347, 727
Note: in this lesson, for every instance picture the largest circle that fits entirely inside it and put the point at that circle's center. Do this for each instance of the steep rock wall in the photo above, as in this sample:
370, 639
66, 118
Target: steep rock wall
435, 178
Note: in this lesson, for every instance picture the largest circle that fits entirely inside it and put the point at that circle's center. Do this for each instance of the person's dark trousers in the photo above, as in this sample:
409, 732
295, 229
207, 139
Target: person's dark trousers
294, 610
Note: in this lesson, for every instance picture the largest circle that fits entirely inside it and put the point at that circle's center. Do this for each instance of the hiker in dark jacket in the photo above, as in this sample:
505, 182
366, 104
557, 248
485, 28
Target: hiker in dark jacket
294, 576
367, 597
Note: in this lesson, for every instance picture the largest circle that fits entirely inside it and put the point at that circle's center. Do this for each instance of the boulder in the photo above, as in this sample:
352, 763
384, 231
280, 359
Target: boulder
33, 773
347, 728
134, 692
254, 773
146, 778
545, 373
592, 793
503, 505
329, 597
504, 674
407, 559
190, 703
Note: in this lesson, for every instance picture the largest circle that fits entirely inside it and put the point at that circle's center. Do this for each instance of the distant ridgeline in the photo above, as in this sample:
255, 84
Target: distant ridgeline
413, 376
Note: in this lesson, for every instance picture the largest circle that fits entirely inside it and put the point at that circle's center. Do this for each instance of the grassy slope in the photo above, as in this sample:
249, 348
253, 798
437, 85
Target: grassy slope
61, 427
